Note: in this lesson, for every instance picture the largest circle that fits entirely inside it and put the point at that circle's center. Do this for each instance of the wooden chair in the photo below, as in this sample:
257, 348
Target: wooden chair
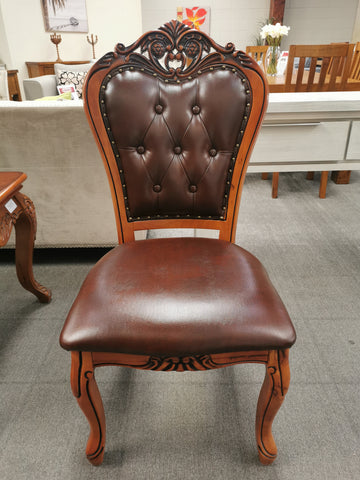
326, 61
17, 209
355, 64
258, 53
175, 137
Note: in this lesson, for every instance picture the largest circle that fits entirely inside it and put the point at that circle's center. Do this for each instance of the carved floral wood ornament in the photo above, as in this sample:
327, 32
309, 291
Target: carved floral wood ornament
175, 44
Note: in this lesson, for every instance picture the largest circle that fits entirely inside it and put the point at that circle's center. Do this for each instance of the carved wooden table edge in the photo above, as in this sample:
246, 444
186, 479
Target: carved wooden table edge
16, 209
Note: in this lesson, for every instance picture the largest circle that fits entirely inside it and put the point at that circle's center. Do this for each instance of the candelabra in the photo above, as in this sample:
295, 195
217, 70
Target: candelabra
56, 39
92, 42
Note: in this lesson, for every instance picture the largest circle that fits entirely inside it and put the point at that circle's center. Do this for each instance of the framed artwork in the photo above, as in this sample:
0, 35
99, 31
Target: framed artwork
65, 16
196, 17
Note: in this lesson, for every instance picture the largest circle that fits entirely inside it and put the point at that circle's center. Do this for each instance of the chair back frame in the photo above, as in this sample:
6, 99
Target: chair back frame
174, 57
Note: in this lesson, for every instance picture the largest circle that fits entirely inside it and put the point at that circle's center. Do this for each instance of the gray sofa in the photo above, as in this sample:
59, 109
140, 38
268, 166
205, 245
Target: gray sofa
45, 86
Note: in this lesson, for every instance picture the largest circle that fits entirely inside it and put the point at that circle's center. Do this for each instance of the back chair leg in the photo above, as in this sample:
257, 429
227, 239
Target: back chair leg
86, 391
323, 184
272, 394
275, 184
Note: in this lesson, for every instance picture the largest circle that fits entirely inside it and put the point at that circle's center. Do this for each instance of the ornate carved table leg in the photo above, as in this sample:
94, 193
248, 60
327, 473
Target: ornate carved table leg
272, 394
86, 391
25, 228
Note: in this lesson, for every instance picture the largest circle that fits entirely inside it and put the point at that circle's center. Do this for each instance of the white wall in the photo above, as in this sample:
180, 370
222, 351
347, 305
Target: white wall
319, 21
311, 21
111, 20
356, 31
237, 21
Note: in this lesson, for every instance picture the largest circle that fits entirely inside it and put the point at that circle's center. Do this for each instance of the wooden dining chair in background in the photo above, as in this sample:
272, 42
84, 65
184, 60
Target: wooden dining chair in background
318, 77
175, 117
258, 53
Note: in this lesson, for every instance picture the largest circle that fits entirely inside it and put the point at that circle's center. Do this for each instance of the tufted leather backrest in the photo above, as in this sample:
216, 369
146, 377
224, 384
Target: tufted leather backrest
171, 125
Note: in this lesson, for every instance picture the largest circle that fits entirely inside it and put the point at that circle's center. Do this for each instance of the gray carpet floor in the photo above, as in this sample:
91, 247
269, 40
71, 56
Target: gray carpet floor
200, 425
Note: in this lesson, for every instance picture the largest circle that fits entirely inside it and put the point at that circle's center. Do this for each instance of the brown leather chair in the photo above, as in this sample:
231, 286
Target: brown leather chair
175, 117
17, 209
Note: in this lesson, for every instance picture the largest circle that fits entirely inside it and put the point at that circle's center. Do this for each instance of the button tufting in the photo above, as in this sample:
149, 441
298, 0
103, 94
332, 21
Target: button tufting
196, 109
193, 188
177, 150
140, 149
212, 152
159, 108
157, 188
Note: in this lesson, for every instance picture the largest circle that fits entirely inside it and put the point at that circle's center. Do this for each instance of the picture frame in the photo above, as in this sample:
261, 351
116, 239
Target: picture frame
65, 16
195, 17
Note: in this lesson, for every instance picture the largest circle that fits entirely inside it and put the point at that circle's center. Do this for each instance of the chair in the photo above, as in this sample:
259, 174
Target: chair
175, 137
17, 209
355, 64
258, 53
325, 62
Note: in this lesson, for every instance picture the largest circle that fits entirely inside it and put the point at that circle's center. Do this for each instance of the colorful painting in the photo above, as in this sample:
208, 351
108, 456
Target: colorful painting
196, 17
65, 16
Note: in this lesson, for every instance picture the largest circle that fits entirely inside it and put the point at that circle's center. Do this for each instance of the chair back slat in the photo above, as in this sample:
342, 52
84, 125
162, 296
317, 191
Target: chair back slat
355, 64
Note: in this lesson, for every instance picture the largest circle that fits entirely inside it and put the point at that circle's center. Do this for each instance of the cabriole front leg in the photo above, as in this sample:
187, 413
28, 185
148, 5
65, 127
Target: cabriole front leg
86, 391
272, 394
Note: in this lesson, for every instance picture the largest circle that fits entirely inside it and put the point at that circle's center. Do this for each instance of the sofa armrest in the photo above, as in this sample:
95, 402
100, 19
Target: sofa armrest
38, 87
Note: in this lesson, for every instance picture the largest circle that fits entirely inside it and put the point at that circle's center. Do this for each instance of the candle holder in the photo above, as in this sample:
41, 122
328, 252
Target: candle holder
56, 39
92, 42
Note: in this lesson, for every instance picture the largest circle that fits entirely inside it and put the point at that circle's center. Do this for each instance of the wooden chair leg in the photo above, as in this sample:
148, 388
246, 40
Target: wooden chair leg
264, 176
275, 184
86, 391
25, 228
272, 394
310, 176
323, 184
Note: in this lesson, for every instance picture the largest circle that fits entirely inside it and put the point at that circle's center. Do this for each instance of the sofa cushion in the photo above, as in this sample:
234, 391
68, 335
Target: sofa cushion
72, 74
66, 77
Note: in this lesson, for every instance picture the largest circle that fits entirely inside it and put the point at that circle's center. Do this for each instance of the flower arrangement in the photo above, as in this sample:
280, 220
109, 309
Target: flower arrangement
273, 35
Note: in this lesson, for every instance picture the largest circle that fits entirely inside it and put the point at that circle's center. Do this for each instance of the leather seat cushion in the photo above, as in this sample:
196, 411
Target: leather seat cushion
177, 296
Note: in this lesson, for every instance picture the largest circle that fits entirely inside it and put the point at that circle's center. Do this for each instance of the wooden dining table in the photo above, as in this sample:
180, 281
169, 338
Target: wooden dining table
277, 84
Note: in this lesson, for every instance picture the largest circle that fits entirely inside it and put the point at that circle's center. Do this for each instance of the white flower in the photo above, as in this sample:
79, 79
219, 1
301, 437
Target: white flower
274, 33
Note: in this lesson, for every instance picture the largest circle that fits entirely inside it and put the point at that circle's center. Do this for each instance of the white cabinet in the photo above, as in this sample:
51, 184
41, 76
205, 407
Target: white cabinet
301, 143
309, 132
353, 152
